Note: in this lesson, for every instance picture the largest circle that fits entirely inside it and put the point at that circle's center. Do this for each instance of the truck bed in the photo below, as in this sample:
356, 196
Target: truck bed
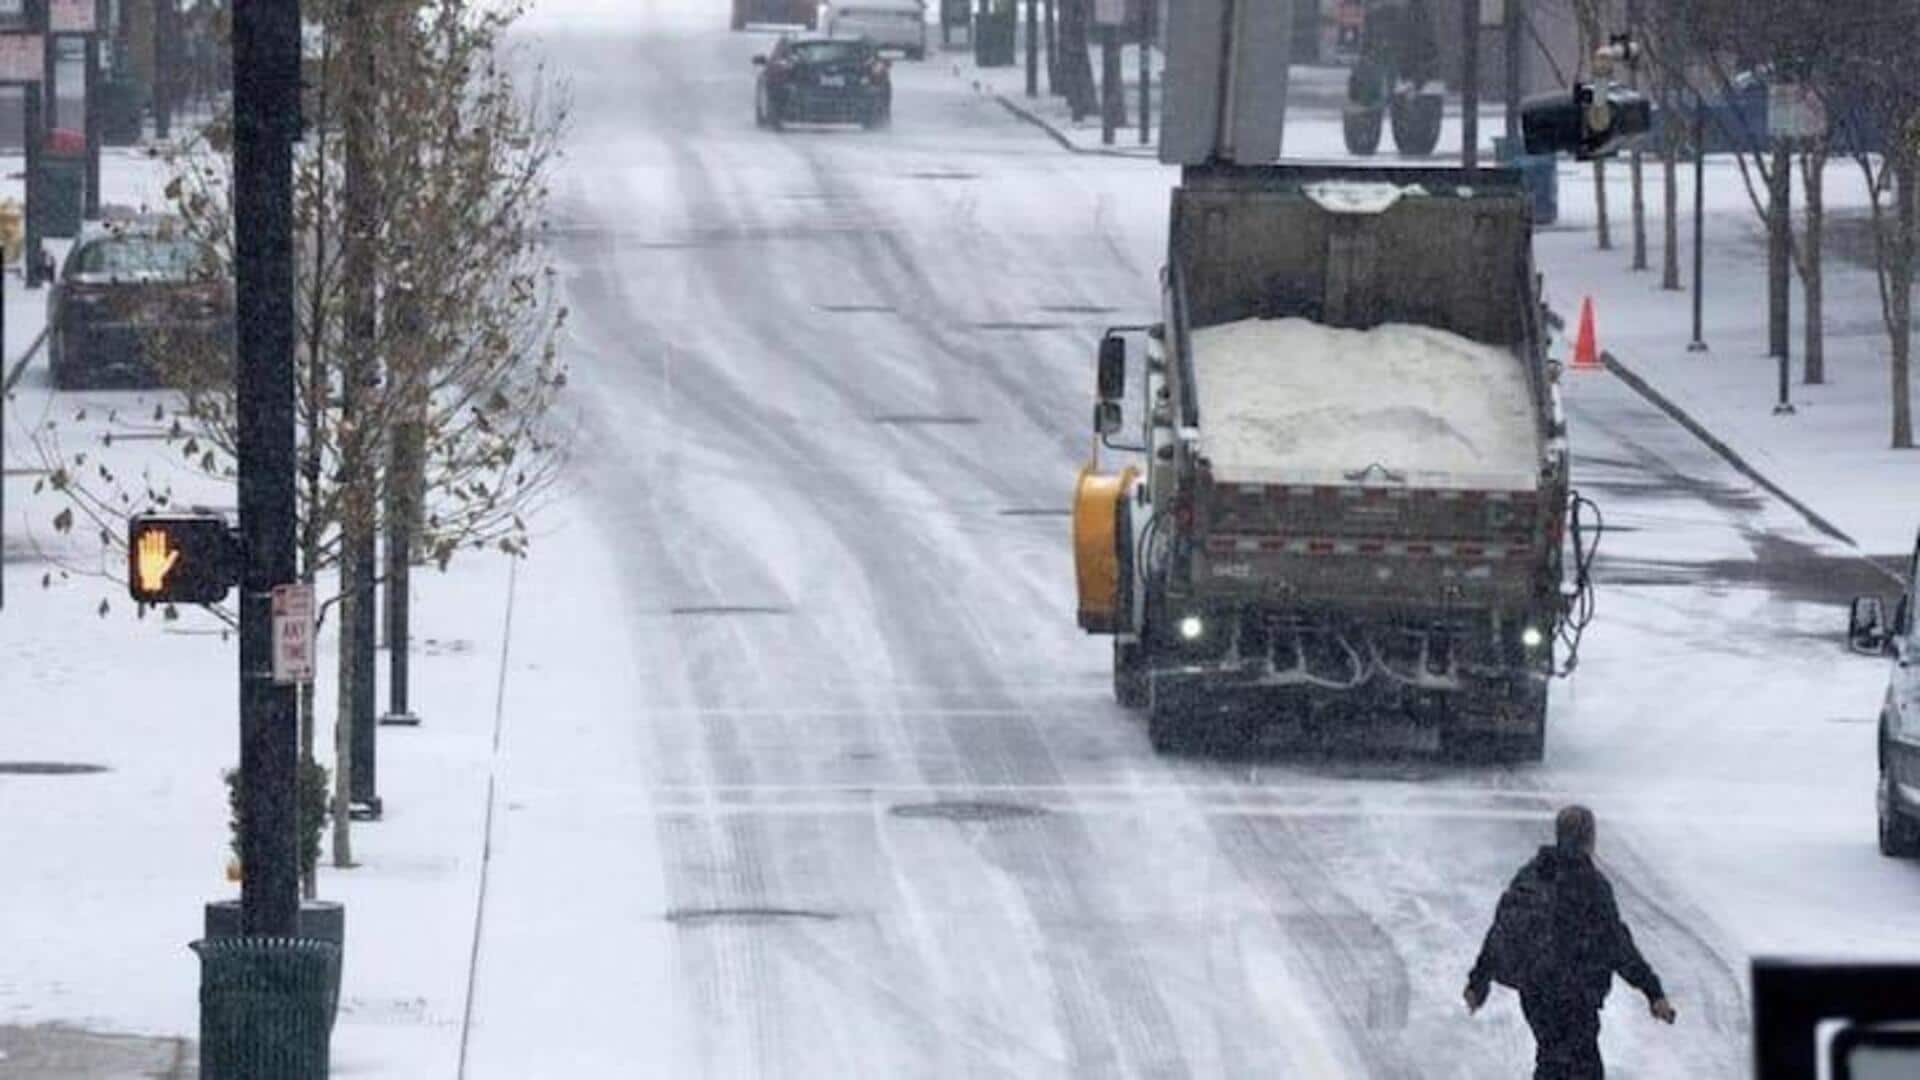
1289, 401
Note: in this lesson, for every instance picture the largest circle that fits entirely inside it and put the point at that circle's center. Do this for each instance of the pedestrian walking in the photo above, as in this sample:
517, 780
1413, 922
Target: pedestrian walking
1557, 939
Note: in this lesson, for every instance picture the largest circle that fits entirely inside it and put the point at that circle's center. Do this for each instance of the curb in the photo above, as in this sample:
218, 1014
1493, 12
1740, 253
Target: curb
1066, 142
1713, 442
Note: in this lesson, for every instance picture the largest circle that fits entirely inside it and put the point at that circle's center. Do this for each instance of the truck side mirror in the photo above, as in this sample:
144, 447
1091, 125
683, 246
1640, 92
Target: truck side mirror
1113, 368
1867, 626
1106, 418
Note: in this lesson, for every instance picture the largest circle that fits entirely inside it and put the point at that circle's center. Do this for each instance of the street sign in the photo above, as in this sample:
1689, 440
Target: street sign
180, 558
23, 58
293, 634
70, 16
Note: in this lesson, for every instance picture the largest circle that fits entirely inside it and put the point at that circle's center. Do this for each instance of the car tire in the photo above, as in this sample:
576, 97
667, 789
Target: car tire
1130, 674
1899, 837
878, 117
1174, 721
57, 371
760, 106
917, 54
774, 121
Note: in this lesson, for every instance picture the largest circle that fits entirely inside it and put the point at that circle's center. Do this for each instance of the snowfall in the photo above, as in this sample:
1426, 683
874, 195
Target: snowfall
782, 754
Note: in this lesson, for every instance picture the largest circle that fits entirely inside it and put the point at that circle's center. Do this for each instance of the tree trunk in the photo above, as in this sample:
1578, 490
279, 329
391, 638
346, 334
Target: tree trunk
1812, 267
1636, 168
1600, 203
1901, 315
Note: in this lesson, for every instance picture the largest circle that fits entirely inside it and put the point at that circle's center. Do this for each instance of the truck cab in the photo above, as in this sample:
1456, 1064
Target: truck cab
1872, 632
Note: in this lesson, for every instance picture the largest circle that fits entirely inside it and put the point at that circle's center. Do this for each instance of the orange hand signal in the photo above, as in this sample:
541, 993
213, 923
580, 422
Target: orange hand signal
155, 559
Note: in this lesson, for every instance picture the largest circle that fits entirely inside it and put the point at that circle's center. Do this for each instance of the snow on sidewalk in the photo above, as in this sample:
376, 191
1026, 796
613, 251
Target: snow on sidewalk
1833, 452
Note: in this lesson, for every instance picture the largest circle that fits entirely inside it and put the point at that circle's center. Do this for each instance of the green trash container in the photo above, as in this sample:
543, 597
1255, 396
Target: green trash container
265, 1005
121, 111
62, 195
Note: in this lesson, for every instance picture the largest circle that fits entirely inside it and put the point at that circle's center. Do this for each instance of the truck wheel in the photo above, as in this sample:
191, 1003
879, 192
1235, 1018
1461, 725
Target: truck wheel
1130, 675
1416, 123
1174, 722
1361, 127
1899, 838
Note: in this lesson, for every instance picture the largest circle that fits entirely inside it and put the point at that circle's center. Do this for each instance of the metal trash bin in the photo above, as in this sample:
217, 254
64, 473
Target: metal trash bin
1539, 172
993, 39
122, 111
265, 1007
63, 185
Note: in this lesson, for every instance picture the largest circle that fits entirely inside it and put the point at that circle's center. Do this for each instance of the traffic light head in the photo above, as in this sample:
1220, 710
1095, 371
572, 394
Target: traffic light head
1590, 121
181, 558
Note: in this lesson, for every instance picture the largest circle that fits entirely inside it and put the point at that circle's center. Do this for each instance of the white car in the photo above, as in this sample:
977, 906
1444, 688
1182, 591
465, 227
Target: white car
890, 24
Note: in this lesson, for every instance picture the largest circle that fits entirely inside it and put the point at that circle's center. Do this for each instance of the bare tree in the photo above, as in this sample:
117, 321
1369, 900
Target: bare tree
458, 153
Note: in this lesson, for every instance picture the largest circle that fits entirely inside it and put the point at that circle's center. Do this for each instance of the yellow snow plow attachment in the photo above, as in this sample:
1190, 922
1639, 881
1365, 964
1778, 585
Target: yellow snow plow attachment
1096, 546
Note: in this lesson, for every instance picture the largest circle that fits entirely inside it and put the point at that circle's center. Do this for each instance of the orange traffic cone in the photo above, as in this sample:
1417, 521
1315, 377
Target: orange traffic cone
1586, 355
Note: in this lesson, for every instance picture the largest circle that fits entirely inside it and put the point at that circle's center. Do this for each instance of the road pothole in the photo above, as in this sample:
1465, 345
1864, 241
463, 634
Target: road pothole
49, 768
967, 810
751, 914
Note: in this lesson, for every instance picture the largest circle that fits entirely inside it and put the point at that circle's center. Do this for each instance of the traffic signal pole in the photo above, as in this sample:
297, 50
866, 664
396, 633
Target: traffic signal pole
266, 108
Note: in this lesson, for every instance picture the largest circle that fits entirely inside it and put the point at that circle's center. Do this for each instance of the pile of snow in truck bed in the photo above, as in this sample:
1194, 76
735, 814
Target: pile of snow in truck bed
1291, 401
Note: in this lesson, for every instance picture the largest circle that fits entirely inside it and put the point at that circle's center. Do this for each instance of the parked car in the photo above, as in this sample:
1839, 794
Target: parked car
130, 288
779, 12
823, 80
1870, 631
889, 24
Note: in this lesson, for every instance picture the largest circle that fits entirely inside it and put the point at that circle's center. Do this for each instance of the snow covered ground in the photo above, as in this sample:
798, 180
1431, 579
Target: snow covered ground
782, 755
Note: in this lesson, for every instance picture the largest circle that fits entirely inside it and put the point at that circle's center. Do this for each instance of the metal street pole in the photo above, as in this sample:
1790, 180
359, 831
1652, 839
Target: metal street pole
266, 108
165, 18
1699, 343
358, 563
1146, 71
33, 132
1515, 57
91, 207
405, 451
1033, 48
1779, 279
1470, 84
1112, 103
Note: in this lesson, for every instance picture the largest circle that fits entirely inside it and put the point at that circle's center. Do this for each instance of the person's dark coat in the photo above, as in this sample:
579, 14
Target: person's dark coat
1587, 945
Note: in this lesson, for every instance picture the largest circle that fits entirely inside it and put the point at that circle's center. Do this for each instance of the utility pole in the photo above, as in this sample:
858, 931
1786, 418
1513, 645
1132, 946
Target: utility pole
1470, 84
1050, 27
1636, 162
266, 109
1112, 99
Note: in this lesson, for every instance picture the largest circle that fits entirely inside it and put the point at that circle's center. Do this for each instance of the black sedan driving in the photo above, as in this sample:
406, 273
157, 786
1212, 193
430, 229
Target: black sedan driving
137, 305
823, 80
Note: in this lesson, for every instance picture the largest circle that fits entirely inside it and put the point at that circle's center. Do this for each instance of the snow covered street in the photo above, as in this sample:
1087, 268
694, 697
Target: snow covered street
782, 754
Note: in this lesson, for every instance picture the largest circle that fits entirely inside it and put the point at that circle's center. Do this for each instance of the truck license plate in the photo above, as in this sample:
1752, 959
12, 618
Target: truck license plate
833, 80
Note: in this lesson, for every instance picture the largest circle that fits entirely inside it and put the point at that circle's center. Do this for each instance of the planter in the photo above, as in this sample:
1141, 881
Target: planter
1361, 124
1416, 123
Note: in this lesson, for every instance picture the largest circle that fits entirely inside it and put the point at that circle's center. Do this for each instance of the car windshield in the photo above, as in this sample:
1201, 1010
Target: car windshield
829, 52
142, 256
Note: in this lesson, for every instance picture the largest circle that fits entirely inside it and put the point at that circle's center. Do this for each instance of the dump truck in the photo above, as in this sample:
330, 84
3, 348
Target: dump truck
1348, 496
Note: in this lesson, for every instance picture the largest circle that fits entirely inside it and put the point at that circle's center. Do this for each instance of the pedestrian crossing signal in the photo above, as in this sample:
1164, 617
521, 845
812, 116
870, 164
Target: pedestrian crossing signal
181, 558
